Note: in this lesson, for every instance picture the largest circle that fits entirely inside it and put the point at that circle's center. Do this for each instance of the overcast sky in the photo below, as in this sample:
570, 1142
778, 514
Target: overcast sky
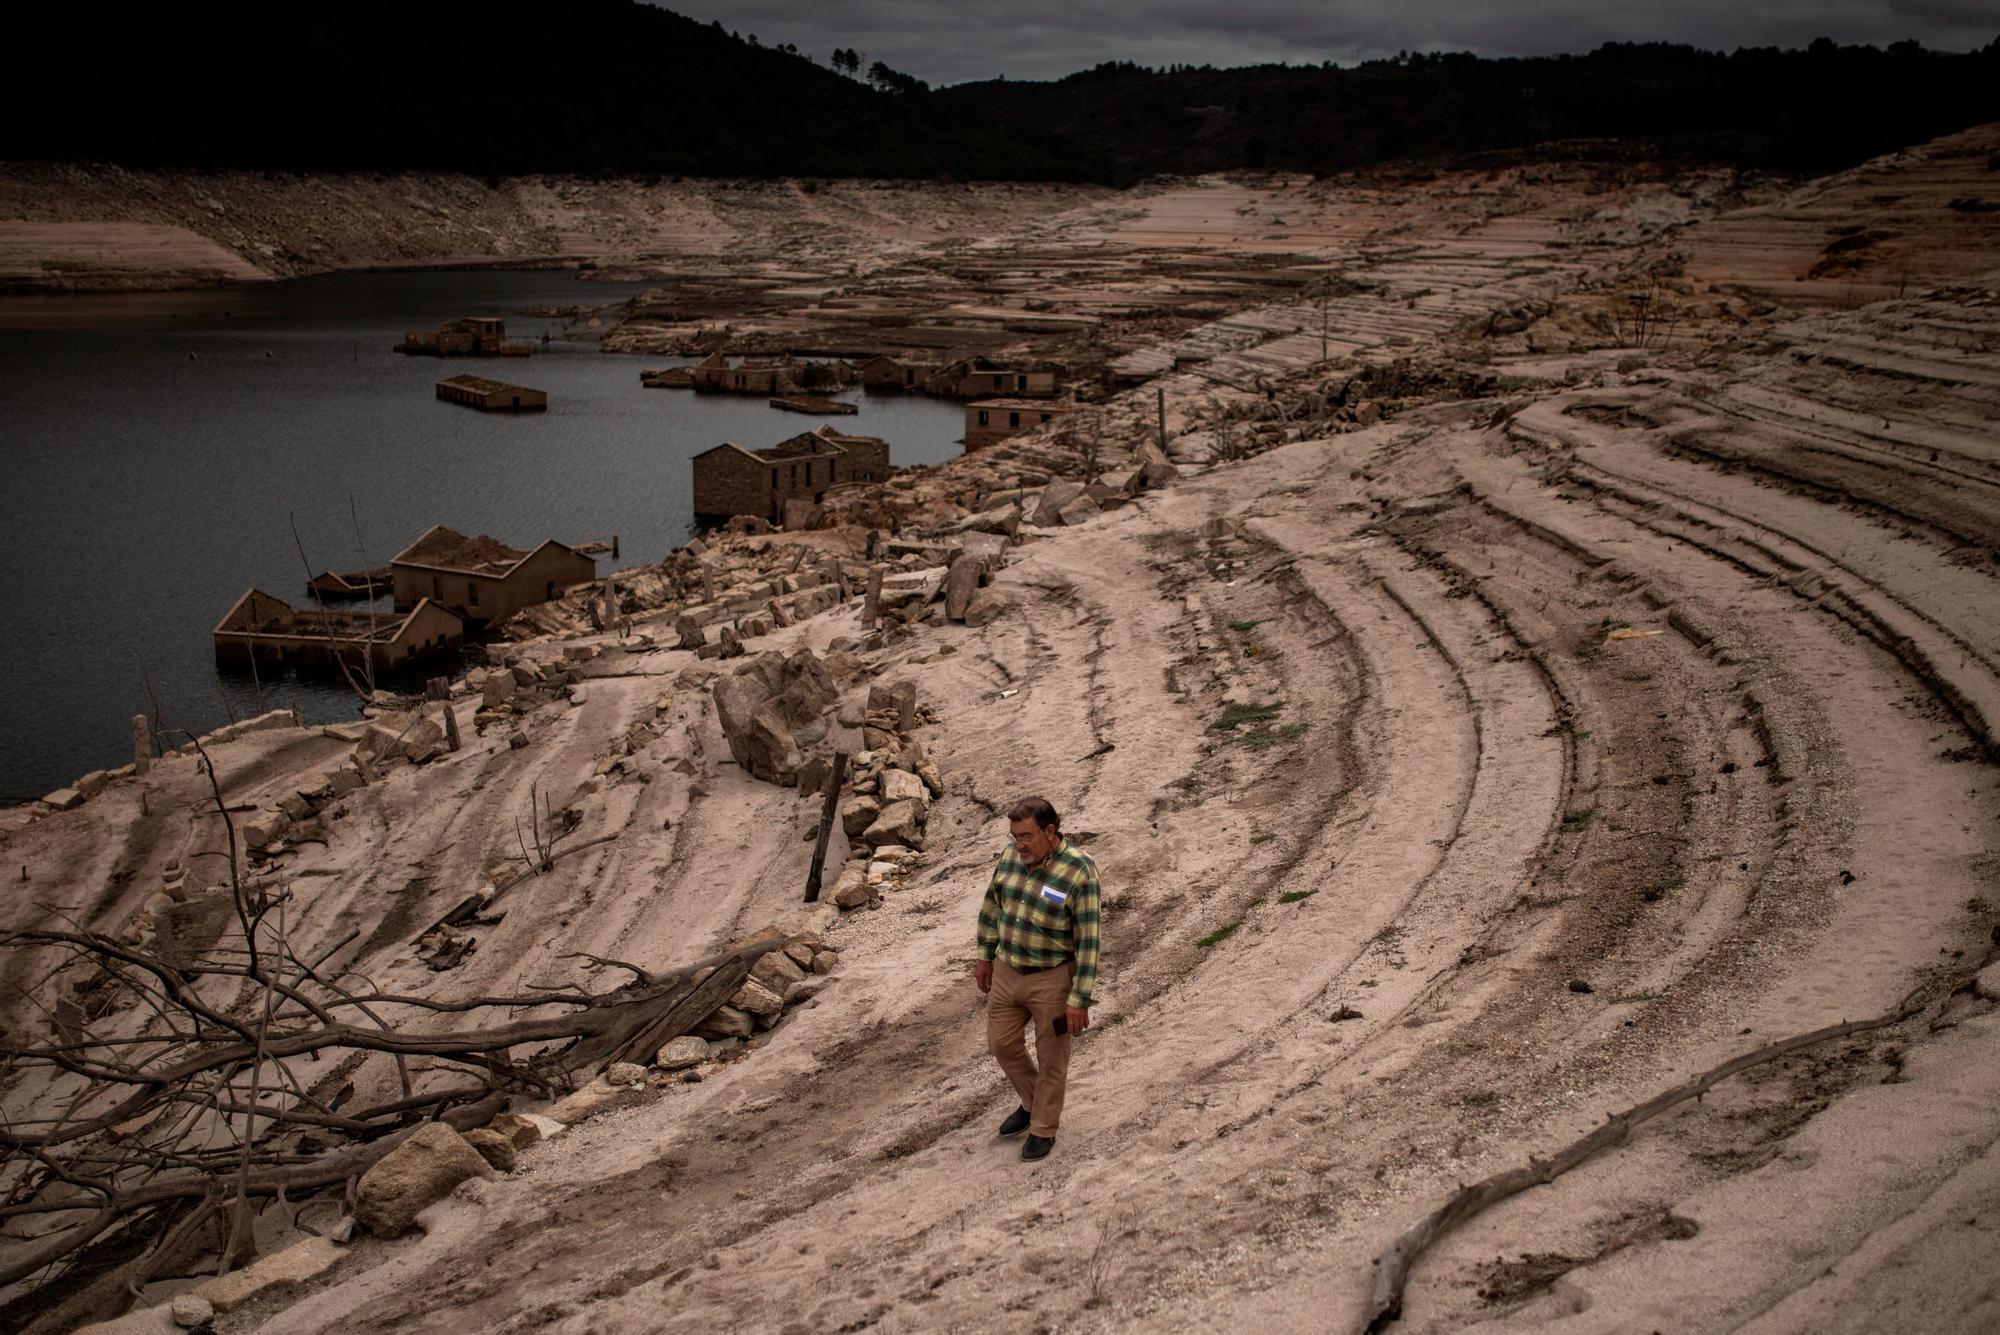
945, 42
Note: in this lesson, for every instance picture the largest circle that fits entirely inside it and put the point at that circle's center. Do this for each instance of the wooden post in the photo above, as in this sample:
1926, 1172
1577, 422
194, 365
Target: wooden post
707, 583
1162, 390
142, 745
826, 815
614, 546
871, 610
1096, 442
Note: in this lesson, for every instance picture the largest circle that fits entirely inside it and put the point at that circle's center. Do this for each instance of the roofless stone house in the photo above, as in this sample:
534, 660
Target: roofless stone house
731, 480
482, 579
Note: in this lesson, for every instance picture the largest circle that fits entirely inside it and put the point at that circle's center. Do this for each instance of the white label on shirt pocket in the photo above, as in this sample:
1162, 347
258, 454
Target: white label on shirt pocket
1051, 895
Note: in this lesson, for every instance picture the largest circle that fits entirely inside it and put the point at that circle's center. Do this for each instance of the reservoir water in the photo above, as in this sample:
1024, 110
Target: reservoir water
158, 449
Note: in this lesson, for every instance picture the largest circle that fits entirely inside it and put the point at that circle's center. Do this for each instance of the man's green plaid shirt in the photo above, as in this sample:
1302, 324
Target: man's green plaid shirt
1034, 917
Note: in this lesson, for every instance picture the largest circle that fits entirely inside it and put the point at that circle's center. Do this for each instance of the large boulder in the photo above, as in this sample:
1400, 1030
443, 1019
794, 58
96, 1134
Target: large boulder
1059, 493
773, 707
497, 689
1155, 469
900, 823
423, 741
417, 1173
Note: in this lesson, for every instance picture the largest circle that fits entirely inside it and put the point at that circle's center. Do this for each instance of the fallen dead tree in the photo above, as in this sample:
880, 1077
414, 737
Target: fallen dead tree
1392, 1267
161, 1102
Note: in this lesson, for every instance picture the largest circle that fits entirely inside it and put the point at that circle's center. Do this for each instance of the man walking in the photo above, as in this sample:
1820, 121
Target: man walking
1037, 963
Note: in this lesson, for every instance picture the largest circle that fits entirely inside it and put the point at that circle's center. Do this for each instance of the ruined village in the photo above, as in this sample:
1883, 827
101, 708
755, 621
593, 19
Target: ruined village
1520, 640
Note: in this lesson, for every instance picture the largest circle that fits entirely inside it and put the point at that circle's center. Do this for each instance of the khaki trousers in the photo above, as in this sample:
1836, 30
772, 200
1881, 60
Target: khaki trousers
1018, 999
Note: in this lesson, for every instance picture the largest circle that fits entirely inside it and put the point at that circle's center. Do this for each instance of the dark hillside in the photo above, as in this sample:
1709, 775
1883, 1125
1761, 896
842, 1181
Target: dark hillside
1814, 110
591, 86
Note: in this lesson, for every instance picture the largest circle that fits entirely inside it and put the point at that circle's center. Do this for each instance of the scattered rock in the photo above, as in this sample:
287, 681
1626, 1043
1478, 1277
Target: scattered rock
726, 1022
497, 689
902, 786
1578, 985
986, 606
419, 1172
190, 1310
496, 1149
520, 1131
625, 1073
852, 891
805, 990
596, 1098
959, 586
681, 1053
755, 999
1987, 984
858, 814
296, 1264
776, 971
1080, 510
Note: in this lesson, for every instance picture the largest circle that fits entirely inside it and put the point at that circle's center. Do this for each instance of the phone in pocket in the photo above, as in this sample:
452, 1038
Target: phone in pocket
1062, 1023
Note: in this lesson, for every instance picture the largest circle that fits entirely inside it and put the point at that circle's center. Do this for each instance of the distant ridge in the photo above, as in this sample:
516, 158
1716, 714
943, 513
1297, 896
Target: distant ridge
1819, 109
595, 87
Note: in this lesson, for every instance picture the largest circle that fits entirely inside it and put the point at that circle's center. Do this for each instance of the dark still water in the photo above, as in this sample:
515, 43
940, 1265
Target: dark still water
157, 448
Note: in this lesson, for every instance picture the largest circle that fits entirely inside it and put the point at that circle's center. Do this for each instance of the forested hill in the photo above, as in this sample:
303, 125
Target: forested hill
493, 87
1818, 109
612, 87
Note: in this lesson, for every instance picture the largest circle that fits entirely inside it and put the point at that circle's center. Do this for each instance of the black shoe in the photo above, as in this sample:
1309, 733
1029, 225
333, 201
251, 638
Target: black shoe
1037, 1147
1016, 1123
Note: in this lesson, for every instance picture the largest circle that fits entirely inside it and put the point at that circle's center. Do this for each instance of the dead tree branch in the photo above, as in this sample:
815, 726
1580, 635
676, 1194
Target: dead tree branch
1392, 1267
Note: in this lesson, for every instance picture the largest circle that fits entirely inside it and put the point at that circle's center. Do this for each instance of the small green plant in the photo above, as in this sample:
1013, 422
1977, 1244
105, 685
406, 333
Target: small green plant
1480, 1098
1366, 982
1262, 838
1659, 889
1546, 901
1295, 896
1217, 936
1389, 935
1263, 739
1245, 627
1235, 714
1578, 819
925, 907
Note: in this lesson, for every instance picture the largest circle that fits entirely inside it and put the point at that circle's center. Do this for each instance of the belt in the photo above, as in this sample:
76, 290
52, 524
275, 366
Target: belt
1039, 968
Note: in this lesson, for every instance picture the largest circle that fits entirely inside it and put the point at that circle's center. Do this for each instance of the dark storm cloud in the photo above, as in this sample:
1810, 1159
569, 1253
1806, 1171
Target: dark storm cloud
1046, 39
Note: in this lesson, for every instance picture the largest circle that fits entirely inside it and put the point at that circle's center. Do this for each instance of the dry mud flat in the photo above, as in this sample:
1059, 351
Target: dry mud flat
1463, 767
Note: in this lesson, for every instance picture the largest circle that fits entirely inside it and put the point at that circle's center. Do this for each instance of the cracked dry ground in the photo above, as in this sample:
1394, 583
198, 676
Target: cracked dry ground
1683, 689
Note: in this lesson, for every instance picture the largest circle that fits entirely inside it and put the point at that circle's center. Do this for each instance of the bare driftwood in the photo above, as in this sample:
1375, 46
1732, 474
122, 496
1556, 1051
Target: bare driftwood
210, 1086
1392, 1267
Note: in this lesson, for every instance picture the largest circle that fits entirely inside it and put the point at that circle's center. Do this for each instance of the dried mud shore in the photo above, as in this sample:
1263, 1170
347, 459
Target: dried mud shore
1567, 658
